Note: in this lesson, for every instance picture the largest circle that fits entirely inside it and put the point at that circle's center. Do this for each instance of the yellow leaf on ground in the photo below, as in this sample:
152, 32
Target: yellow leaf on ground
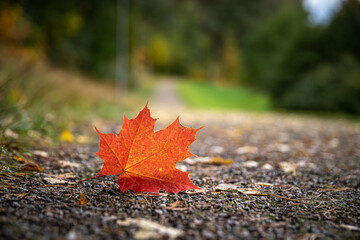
220, 161
66, 136
20, 159
208, 160
82, 200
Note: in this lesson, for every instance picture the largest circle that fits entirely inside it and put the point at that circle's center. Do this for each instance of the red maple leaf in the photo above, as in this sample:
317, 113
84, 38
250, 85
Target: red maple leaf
146, 159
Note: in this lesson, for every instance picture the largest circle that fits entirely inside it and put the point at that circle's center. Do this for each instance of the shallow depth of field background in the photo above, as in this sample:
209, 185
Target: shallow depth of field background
63, 62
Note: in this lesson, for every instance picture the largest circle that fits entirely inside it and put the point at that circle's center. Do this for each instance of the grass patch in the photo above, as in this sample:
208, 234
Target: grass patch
207, 95
39, 102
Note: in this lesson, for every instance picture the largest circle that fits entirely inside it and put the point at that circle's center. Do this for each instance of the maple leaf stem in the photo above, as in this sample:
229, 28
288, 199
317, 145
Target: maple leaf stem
82, 180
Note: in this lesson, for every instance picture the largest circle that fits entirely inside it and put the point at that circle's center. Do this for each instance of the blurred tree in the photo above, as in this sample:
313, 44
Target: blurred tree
11, 23
73, 34
231, 60
160, 53
82, 34
269, 44
309, 67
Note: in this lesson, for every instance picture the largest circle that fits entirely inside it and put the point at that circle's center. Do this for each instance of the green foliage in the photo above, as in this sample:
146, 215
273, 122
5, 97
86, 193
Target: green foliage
307, 67
71, 34
206, 95
328, 87
159, 53
181, 37
269, 44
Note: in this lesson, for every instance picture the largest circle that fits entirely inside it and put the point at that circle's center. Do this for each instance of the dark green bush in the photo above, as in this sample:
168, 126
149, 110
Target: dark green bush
304, 66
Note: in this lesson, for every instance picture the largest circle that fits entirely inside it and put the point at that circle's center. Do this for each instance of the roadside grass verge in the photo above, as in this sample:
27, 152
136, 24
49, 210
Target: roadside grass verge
210, 96
39, 104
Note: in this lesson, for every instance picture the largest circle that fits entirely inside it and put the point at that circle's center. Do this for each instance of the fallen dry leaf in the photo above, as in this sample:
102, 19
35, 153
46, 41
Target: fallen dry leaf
302, 153
216, 149
264, 184
195, 191
41, 153
284, 148
220, 161
150, 229
32, 167
350, 227
208, 160
288, 167
68, 164
20, 159
63, 176
66, 136
267, 166
196, 160
174, 206
250, 164
233, 187
246, 149
11, 134
146, 159
307, 164
54, 180
82, 200
226, 187
18, 196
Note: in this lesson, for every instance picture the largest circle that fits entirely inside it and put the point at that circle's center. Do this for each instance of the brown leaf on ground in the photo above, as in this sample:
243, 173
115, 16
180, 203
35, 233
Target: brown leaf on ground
194, 191
32, 167
175, 206
264, 184
233, 187
150, 229
63, 176
350, 227
17, 197
82, 200
68, 164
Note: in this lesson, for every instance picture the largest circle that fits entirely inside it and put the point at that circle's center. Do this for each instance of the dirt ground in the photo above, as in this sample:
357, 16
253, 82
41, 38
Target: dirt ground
264, 176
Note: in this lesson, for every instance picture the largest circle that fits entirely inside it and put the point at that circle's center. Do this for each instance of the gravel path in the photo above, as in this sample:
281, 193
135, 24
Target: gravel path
264, 176
166, 96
